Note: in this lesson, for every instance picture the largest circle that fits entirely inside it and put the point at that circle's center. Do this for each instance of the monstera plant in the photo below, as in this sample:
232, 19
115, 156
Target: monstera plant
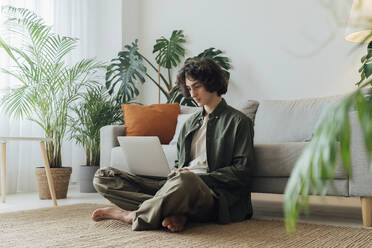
129, 68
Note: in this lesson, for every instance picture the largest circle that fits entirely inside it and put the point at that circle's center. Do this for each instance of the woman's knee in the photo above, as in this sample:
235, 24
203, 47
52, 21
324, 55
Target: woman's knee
107, 178
107, 172
187, 180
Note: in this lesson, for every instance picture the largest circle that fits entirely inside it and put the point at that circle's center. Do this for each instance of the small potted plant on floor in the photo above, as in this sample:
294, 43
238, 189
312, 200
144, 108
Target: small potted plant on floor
96, 109
47, 86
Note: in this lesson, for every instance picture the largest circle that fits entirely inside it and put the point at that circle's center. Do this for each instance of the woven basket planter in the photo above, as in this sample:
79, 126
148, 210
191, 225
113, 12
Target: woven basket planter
61, 178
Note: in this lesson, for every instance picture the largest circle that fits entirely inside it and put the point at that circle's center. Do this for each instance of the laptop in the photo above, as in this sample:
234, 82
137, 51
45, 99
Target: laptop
144, 156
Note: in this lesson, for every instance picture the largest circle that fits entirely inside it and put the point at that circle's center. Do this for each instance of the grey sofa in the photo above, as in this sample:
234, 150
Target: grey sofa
282, 130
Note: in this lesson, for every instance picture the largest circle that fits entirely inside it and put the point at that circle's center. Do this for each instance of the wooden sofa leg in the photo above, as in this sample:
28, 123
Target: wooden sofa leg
366, 211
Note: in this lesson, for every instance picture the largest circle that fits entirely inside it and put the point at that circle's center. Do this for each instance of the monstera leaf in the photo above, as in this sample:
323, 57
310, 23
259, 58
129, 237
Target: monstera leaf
170, 51
214, 54
125, 72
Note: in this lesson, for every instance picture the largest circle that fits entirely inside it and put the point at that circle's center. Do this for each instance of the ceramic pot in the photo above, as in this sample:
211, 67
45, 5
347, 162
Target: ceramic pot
86, 178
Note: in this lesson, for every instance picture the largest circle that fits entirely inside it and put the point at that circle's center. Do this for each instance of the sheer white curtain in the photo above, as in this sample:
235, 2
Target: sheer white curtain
70, 18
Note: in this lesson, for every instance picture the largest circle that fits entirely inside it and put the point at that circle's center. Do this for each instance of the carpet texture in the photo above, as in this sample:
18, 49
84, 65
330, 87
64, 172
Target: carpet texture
71, 226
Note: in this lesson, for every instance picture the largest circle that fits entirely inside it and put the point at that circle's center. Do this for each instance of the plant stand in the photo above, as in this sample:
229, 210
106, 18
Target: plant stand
4, 140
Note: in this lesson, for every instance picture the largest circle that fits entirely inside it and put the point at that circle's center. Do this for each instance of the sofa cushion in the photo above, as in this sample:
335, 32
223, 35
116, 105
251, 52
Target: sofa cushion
154, 120
279, 159
189, 109
249, 108
288, 120
276, 185
181, 119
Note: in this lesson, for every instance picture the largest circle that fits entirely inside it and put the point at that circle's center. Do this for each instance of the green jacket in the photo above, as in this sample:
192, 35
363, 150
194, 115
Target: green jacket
230, 157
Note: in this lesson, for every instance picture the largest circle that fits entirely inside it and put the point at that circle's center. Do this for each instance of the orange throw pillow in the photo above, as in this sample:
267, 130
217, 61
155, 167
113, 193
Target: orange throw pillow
154, 120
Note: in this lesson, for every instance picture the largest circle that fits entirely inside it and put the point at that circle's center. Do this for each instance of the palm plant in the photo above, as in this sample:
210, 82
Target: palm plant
128, 69
317, 164
47, 85
97, 109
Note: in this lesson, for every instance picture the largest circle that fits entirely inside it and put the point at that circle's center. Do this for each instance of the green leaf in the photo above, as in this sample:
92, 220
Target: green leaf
367, 70
169, 52
364, 108
124, 73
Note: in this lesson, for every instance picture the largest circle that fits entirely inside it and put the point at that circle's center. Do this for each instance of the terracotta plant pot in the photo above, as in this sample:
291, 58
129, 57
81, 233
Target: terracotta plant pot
61, 178
86, 178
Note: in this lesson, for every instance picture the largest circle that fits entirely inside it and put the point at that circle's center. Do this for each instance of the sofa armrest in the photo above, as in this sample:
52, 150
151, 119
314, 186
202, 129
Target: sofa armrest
108, 140
361, 182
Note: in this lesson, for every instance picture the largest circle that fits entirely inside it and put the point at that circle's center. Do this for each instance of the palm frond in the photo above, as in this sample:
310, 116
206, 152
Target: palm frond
20, 102
49, 86
97, 109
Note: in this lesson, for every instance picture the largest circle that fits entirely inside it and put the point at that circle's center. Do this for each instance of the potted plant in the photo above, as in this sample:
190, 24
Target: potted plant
333, 133
126, 70
96, 109
47, 86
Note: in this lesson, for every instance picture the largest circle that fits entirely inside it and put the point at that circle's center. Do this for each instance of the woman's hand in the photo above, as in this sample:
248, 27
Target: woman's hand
174, 172
182, 169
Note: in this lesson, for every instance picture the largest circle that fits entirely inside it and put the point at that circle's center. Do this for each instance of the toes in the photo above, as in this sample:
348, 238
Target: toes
165, 222
98, 215
171, 228
174, 228
174, 223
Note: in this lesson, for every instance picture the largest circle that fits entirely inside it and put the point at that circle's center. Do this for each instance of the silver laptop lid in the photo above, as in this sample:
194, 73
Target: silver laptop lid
144, 155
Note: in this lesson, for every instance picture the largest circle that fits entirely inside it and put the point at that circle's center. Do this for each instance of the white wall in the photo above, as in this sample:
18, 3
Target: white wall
271, 43
105, 28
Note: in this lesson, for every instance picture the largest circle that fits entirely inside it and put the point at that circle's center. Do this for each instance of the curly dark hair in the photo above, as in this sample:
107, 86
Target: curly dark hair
204, 71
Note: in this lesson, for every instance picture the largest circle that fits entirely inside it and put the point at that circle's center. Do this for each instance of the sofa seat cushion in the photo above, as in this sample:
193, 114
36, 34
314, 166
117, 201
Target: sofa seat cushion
276, 185
118, 159
279, 159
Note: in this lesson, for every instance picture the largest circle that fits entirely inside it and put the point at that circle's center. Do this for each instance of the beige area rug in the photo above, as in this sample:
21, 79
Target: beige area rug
71, 226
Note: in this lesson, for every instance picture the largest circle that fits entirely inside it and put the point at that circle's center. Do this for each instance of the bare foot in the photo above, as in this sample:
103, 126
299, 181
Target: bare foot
113, 213
175, 223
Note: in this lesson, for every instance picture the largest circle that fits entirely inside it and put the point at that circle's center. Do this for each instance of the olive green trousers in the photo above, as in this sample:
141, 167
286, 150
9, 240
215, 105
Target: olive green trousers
183, 193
